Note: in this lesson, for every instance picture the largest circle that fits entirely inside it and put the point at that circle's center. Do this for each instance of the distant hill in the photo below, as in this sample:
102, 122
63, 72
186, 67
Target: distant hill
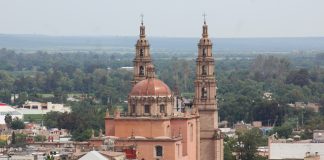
126, 44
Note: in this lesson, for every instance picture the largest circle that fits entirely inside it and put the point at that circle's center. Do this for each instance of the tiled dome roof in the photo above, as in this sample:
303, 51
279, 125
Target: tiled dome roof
151, 87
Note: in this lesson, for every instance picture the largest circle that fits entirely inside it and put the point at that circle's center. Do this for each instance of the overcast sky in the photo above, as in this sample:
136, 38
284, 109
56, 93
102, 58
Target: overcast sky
164, 18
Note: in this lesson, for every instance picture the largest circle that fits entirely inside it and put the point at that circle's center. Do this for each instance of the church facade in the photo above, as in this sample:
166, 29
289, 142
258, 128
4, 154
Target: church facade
153, 128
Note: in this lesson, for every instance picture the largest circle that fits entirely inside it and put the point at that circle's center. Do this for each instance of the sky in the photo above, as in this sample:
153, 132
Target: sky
163, 18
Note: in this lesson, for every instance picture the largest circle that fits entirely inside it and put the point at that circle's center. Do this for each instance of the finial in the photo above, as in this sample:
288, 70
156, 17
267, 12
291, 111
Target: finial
204, 15
142, 16
150, 71
100, 133
92, 134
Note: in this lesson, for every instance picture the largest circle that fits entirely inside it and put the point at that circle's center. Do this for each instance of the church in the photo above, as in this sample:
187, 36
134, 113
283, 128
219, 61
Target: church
153, 128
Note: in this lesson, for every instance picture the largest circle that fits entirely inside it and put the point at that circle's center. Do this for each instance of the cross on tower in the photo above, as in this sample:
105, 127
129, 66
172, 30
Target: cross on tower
142, 16
204, 15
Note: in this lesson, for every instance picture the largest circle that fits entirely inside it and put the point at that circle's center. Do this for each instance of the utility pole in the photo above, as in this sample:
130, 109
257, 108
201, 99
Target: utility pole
302, 118
297, 123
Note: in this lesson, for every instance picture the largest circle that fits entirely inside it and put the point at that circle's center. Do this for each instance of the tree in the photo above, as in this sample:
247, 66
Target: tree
49, 157
295, 95
248, 142
67, 121
315, 123
265, 68
229, 148
13, 138
6, 80
23, 97
17, 124
267, 111
51, 119
5, 96
81, 135
8, 120
3, 143
283, 131
300, 78
40, 138
18, 140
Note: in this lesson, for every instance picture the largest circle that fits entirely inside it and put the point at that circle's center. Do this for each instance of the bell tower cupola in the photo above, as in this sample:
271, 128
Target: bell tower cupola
142, 57
211, 145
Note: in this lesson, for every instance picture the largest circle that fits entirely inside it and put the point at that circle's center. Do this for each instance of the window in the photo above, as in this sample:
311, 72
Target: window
34, 107
133, 109
204, 52
204, 71
204, 92
178, 149
147, 109
191, 132
158, 151
168, 131
141, 70
162, 108
141, 52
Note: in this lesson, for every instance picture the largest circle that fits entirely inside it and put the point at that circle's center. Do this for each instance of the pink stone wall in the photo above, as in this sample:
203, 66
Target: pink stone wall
187, 147
188, 129
145, 128
110, 127
146, 150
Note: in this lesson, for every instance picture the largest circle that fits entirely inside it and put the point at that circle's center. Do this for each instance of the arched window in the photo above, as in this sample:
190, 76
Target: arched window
178, 150
203, 92
204, 70
204, 52
141, 52
191, 132
158, 151
162, 108
133, 110
141, 70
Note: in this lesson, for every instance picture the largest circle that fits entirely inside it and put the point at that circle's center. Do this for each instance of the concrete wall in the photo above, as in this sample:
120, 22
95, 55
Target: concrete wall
294, 150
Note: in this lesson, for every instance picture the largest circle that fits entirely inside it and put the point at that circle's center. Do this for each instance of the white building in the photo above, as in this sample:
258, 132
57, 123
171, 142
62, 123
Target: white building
318, 136
283, 149
228, 132
6, 109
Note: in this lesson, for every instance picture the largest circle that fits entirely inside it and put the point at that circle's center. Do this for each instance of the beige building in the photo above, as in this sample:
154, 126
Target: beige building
310, 156
46, 107
301, 105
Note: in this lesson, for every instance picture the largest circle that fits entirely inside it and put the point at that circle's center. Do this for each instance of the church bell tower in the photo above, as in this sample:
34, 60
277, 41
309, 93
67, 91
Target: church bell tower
142, 57
211, 141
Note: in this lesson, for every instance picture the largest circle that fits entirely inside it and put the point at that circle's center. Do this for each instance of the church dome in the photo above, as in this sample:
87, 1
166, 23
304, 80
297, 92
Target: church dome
151, 87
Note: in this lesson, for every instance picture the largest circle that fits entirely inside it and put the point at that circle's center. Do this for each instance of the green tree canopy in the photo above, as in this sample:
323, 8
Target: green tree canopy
17, 124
